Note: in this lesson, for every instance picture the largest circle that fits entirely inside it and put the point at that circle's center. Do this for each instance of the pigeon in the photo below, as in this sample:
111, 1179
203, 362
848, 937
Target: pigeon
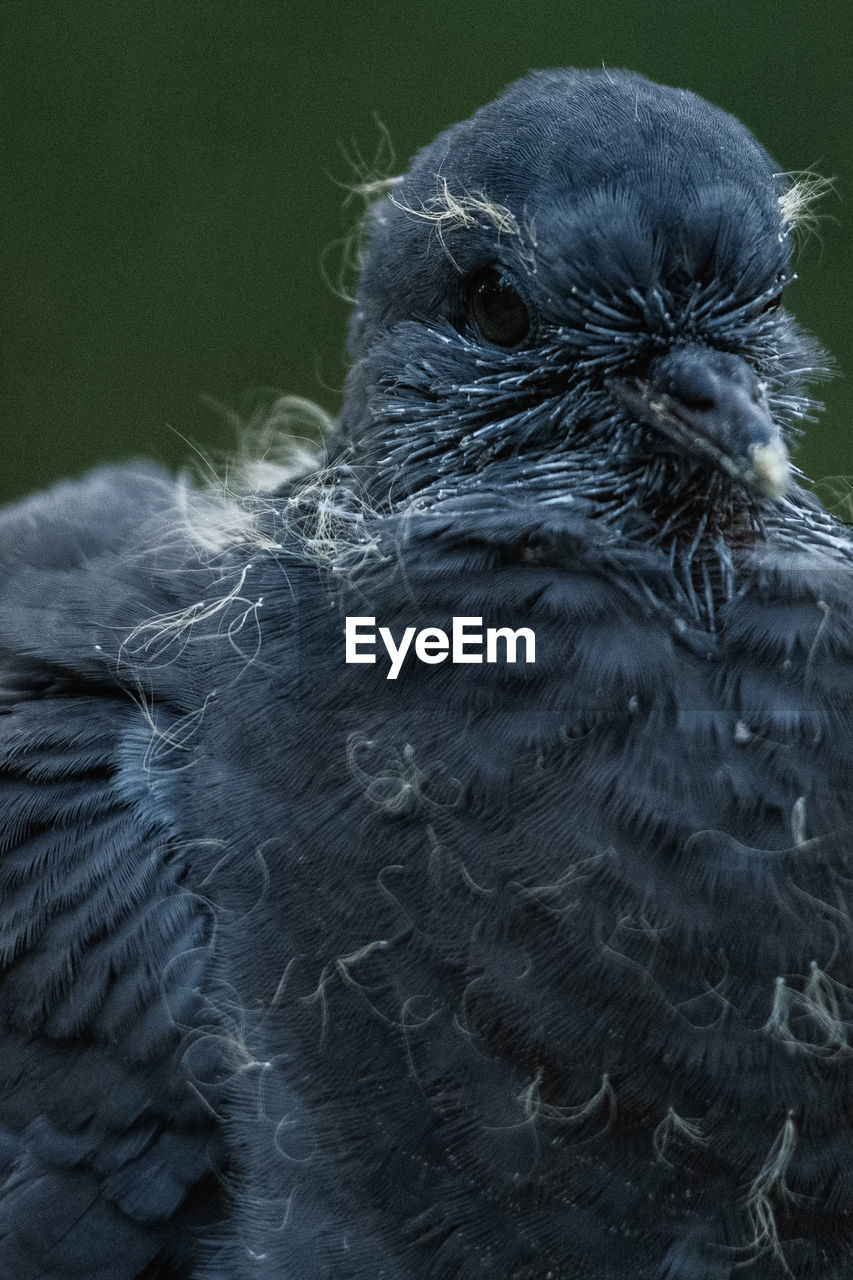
432, 859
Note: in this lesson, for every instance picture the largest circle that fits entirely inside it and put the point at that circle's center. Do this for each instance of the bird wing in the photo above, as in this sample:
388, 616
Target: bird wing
105, 1151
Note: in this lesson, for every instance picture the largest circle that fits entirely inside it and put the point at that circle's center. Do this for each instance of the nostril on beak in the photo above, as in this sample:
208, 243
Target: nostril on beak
698, 403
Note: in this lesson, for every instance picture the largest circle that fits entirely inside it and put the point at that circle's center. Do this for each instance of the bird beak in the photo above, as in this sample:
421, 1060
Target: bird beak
713, 407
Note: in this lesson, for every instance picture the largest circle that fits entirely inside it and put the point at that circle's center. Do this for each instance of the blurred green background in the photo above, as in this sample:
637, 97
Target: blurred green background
172, 182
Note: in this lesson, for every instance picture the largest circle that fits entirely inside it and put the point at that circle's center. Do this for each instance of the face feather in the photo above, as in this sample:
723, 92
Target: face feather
616, 223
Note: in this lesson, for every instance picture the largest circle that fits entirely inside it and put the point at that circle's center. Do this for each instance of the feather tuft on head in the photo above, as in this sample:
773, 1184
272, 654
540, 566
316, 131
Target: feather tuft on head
797, 203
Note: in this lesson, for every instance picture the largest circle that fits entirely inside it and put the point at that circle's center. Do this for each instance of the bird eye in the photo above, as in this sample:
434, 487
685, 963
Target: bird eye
496, 308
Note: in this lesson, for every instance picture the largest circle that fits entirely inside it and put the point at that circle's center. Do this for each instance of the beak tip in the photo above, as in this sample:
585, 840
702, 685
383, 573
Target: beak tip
768, 469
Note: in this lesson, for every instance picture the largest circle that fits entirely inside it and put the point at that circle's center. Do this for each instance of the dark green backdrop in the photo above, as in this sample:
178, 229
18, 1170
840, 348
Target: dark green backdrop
169, 186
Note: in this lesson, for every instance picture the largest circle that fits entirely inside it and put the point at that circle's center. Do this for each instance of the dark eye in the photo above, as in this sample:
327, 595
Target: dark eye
496, 308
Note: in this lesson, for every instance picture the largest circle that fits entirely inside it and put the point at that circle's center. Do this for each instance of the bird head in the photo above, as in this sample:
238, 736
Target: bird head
576, 294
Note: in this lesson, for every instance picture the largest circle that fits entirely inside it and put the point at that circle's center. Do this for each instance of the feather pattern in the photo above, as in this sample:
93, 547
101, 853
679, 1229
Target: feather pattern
531, 969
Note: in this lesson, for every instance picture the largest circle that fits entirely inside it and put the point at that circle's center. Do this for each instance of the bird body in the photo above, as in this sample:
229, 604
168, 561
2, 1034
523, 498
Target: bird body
514, 969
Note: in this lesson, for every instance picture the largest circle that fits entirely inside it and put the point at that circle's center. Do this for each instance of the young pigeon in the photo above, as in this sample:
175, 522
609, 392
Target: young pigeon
437, 863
